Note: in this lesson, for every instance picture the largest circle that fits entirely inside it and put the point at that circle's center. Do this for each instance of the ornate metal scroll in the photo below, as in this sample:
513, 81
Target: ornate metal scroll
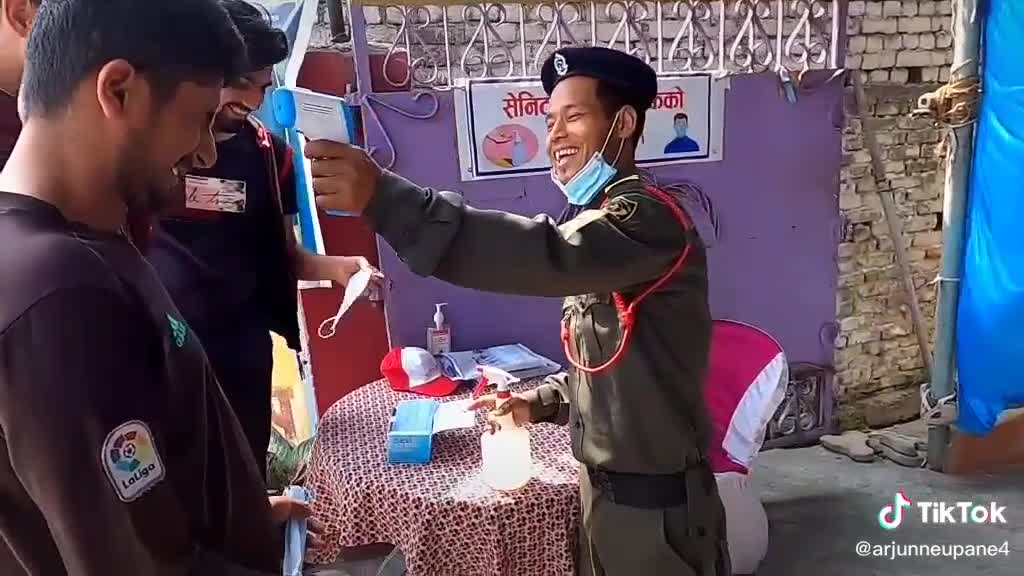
752, 50
695, 45
423, 69
487, 54
445, 42
557, 20
807, 411
630, 31
369, 102
807, 47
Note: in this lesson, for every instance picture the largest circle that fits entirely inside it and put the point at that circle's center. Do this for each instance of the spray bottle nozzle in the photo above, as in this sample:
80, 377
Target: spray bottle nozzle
492, 375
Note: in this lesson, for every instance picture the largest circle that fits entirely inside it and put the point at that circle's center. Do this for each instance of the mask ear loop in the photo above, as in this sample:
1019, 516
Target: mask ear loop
608, 138
622, 143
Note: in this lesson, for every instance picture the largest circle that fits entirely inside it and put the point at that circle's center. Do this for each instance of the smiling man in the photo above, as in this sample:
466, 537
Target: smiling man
118, 451
636, 322
227, 250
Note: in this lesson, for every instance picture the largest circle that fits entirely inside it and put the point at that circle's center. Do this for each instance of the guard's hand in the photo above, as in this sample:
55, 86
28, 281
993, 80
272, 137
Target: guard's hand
283, 509
516, 405
344, 177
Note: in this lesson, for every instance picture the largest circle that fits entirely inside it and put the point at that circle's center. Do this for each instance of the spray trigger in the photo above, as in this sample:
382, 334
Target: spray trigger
481, 387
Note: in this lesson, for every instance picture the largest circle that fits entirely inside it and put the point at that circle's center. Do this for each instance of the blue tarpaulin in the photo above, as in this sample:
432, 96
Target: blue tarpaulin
990, 331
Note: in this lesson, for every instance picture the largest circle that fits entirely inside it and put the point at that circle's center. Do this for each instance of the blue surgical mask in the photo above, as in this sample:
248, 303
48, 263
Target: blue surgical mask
582, 188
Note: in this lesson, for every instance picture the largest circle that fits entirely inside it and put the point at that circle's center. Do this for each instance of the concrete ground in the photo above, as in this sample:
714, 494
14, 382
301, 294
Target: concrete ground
821, 506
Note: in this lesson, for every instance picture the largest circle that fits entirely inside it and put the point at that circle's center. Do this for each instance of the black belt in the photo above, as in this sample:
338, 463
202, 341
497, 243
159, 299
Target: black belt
651, 491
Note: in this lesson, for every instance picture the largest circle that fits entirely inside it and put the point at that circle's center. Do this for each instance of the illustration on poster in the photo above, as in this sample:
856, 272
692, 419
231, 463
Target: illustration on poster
511, 146
681, 144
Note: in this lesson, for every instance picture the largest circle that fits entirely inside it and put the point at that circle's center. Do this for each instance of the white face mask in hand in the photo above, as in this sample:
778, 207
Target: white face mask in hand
357, 286
295, 534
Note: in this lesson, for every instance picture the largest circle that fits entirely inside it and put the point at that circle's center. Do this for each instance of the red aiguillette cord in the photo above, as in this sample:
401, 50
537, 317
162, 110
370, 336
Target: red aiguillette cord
627, 313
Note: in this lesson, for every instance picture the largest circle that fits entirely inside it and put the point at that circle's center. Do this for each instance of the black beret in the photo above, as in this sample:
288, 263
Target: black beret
628, 75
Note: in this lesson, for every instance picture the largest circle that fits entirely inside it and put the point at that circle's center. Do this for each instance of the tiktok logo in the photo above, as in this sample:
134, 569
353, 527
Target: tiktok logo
891, 516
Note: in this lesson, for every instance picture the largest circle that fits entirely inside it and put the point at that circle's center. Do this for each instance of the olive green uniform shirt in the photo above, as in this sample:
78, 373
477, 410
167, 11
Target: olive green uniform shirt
645, 414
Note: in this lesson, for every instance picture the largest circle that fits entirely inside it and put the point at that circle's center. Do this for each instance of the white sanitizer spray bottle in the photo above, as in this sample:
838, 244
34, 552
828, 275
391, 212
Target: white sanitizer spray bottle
507, 463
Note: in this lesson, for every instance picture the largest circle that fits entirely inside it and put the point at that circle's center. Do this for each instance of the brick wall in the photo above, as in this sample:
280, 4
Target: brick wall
902, 50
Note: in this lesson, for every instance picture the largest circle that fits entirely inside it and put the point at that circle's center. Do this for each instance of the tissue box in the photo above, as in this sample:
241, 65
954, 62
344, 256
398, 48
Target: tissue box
410, 438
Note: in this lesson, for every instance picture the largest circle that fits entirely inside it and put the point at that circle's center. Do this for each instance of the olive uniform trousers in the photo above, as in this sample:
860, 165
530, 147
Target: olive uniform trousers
685, 540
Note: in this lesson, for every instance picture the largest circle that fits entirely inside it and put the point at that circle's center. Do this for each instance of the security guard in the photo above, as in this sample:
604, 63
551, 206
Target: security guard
636, 321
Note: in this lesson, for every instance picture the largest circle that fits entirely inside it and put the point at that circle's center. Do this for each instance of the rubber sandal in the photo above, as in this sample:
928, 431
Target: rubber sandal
899, 443
920, 444
887, 452
853, 445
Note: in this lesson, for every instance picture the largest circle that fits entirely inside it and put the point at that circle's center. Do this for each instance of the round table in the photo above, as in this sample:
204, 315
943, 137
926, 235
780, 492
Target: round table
443, 517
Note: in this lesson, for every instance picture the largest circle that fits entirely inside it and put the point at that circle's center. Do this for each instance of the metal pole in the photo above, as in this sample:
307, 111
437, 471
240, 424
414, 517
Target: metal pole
892, 220
966, 42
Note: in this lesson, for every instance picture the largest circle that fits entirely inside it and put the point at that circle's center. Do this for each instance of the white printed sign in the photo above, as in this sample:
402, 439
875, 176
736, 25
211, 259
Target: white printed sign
502, 127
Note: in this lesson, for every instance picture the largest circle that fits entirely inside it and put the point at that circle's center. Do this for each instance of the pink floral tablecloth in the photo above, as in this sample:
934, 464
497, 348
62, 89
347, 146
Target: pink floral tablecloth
443, 517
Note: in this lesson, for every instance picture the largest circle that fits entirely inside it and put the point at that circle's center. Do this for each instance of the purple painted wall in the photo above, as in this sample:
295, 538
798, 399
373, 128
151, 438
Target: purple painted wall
775, 192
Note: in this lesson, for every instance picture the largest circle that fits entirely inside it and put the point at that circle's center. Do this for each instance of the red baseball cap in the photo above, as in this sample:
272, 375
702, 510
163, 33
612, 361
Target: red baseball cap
415, 370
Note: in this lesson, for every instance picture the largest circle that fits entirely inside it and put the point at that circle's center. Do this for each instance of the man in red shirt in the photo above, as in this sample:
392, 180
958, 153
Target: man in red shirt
15, 21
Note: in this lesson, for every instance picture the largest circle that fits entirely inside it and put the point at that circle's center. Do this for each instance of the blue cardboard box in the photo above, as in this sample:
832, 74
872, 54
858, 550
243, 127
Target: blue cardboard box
410, 438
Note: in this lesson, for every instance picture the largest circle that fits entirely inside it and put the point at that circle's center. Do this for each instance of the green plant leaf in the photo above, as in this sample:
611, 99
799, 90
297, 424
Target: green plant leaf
288, 462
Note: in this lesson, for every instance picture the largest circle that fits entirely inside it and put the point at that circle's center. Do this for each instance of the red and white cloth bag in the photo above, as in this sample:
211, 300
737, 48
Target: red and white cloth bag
747, 378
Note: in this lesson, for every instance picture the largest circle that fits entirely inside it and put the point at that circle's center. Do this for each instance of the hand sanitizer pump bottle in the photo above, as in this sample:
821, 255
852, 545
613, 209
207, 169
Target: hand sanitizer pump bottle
439, 336
507, 461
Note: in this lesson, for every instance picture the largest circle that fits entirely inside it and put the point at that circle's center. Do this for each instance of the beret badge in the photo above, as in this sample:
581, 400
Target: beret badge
561, 66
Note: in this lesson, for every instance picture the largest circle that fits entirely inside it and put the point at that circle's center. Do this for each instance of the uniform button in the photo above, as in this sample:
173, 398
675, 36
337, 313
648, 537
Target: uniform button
577, 425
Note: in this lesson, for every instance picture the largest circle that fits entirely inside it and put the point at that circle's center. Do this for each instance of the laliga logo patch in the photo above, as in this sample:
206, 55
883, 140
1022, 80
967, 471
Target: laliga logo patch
561, 66
131, 460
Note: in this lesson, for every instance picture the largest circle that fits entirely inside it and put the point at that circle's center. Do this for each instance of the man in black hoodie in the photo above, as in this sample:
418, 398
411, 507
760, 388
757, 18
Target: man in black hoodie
119, 453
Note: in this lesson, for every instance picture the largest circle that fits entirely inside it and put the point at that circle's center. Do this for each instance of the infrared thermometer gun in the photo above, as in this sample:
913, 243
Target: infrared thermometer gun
317, 116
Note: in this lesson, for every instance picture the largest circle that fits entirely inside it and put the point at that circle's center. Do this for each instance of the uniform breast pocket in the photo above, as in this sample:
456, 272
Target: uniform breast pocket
599, 328
570, 321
